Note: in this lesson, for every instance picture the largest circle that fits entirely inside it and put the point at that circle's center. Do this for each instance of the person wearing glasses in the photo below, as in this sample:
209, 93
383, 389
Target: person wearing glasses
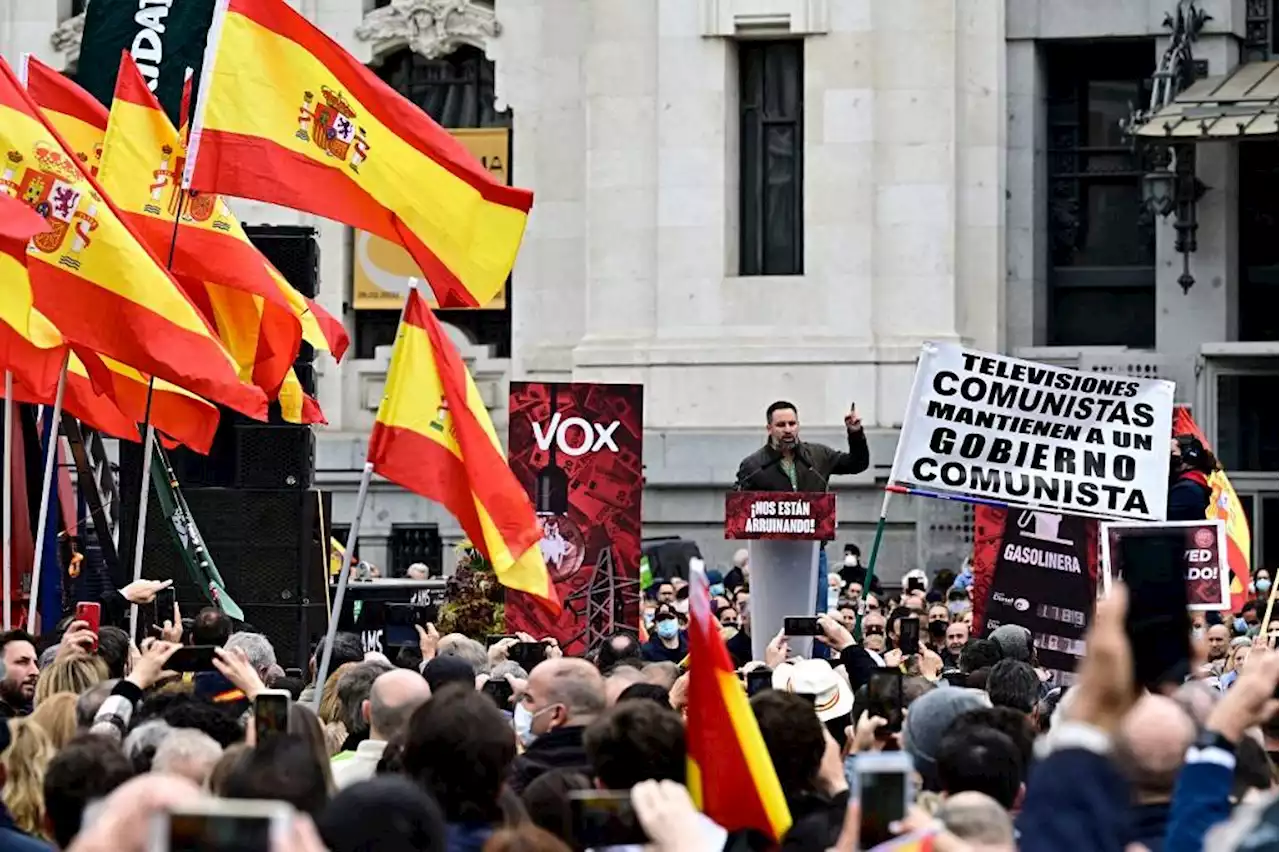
873, 631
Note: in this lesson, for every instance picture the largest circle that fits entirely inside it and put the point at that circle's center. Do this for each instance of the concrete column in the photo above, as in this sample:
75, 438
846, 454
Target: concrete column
539, 61
1026, 244
620, 75
695, 236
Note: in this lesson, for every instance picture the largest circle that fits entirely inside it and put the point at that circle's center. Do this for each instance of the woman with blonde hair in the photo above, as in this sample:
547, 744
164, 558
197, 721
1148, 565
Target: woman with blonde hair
57, 716
335, 729
24, 762
74, 673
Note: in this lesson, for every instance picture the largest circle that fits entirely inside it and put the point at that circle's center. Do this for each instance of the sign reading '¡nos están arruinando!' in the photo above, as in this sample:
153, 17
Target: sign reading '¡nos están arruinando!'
1023, 433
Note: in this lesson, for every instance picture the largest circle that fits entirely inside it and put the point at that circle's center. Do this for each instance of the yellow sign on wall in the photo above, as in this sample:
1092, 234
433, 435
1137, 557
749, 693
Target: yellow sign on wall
381, 270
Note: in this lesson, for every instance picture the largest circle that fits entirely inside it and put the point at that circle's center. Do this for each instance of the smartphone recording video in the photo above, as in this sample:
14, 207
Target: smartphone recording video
758, 681
221, 825
603, 818
400, 623
192, 658
271, 713
884, 694
909, 636
1157, 622
884, 794
801, 625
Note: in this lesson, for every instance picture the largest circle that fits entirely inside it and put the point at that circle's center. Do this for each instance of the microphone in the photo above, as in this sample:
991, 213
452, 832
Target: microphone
741, 484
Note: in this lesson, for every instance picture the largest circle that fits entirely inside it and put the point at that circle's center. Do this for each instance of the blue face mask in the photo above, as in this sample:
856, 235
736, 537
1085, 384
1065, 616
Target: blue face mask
668, 628
1240, 626
717, 589
1264, 585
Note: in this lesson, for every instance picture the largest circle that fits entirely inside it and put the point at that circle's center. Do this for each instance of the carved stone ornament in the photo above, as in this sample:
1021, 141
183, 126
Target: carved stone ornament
432, 28
66, 38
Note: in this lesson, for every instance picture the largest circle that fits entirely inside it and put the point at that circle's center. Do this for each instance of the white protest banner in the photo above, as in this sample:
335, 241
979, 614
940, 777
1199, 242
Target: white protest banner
1021, 433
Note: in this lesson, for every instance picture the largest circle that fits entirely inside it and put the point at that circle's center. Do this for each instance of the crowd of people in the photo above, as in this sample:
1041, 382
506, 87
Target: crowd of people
414, 753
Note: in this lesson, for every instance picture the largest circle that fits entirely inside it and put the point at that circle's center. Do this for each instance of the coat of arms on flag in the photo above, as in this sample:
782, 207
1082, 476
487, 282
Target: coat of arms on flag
48, 187
332, 127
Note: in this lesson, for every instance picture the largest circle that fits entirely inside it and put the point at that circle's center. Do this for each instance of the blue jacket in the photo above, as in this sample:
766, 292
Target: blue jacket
1189, 497
1075, 800
466, 836
1201, 800
1150, 824
13, 839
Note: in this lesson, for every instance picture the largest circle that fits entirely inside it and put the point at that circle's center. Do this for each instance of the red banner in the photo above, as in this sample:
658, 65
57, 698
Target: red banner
1038, 570
576, 448
780, 514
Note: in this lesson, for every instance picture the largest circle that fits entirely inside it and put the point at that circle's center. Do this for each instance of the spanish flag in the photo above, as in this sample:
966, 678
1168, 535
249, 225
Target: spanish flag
731, 775
142, 159
1225, 506
93, 279
433, 436
72, 111
76, 115
285, 115
34, 364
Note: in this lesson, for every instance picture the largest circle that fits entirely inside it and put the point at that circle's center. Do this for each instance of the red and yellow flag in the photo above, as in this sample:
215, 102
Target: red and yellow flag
142, 157
1225, 506
35, 363
731, 776
77, 116
72, 111
90, 275
306, 125
433, 436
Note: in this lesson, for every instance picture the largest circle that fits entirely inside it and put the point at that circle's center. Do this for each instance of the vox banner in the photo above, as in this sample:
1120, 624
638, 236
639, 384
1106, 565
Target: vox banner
577, 450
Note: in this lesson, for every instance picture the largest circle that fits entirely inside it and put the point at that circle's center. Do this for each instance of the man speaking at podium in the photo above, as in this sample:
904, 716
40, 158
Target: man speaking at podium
785, 463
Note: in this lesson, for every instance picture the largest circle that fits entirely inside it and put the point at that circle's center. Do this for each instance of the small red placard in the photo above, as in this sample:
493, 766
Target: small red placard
799, 515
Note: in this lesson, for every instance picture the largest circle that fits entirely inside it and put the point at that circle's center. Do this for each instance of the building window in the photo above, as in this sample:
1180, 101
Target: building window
457, 91
1247, 419
1261, 31
1101, 242
1257, 307
412, 543
771, 115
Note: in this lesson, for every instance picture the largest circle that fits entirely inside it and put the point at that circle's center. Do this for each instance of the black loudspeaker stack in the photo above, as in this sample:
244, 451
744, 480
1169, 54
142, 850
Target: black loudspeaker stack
252, 498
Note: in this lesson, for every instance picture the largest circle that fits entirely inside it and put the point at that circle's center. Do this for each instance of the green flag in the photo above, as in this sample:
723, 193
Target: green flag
165, 38
186, 536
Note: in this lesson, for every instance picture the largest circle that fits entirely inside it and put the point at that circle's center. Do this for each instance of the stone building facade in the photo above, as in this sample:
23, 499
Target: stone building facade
744, 200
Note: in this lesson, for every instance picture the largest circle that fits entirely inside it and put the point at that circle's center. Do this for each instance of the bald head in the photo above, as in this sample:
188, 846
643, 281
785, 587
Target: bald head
618, 680
392, 699
1153, 741
574, 684
978, 819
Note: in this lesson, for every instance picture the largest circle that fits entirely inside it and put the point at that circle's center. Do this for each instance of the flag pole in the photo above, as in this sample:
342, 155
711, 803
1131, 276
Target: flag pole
1271, 605
871, 564
46, 488
148, 445
344, 576
140, 537
322, 672
6, 482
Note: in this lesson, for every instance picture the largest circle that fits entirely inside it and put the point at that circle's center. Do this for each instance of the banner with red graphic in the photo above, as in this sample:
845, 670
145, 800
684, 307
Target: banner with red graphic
1038, 570
576, 448
1204, 548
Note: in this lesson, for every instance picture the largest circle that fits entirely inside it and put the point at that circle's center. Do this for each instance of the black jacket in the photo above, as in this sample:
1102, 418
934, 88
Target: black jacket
654, 651
815, 464
560, 748
1189, 497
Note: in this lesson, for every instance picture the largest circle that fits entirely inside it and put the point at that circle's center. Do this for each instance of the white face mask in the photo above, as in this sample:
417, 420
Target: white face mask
522, 719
